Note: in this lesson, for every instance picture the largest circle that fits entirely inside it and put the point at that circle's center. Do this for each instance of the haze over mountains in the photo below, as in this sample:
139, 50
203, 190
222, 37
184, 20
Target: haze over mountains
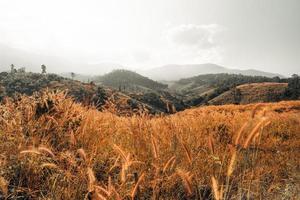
176, 72
171, 72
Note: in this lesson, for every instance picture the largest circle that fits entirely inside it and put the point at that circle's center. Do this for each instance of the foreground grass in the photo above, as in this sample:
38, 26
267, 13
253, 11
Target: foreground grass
53, 148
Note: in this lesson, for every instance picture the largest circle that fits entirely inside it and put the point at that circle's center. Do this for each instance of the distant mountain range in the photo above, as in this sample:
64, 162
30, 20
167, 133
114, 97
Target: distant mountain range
177, 72
33, 62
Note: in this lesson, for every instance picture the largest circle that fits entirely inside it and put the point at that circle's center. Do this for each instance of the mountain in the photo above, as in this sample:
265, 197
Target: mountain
101, 68
176, 72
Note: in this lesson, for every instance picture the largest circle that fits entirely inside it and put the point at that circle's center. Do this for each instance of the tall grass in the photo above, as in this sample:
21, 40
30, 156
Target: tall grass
53, 148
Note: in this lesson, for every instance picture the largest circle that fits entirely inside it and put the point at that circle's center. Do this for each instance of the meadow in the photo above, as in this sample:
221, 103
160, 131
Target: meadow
54, 148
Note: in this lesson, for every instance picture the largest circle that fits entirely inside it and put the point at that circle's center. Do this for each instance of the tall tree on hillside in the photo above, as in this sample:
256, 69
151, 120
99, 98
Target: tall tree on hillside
293, 90
2, 92
12, 69
73, 75
43, 67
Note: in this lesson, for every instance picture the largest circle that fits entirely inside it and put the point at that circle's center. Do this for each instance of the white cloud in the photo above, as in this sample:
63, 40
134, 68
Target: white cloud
192, 43
200, 36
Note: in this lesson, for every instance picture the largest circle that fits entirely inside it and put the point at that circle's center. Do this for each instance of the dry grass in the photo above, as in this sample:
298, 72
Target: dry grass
53, 148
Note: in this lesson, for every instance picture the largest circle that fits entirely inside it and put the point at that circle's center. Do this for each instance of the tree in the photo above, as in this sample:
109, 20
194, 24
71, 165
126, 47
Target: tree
43, 69
293, 90
73, 75
2, 93
12, 69
237, 95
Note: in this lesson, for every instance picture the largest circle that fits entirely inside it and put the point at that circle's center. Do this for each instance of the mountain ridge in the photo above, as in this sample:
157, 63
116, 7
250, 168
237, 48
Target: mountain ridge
189, 70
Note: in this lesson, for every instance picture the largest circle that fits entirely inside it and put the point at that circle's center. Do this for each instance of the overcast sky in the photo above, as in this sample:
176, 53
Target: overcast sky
258, 34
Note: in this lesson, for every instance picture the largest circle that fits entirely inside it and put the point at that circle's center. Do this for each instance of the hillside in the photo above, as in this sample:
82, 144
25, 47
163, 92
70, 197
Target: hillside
186, 71
126, 80
142, 89
202, 89
251, 93
61, 150
129, 91
88, 93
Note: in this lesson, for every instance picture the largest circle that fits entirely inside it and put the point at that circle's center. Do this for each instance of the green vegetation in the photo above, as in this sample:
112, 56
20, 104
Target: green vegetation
293, 90
202, 89
137, 92
126, 80
13, 84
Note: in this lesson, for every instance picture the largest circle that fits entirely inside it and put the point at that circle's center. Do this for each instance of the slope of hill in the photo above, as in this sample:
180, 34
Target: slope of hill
126, 80
224, 89
176, 72
251, 93
88, 93
61, 150
202, 88
132, 92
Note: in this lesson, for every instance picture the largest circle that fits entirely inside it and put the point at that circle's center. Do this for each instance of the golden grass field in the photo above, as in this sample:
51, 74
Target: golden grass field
53, 148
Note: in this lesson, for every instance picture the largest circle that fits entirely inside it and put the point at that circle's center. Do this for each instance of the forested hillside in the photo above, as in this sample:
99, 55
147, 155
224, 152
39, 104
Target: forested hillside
202, 89
90, 94
125, 80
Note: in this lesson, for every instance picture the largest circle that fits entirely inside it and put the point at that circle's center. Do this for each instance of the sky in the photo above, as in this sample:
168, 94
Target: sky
141, 34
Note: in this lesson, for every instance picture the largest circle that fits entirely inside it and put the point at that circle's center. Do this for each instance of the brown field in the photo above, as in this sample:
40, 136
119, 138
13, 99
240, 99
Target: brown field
53, 148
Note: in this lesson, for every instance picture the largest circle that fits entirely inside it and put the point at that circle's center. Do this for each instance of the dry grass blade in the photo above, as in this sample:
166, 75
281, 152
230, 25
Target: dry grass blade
133, 193
72, 138
46, 150
255, 109
97, 196
211, 144
115, 164
253, 132
3, 185
110, 186
168, 164
121, 152
187, 180
237, 139
123, 173
231, 165
258, 132
82, 154
187, 153
91, 178
105, 191
154, 147
31, 151
215, 187
49, 165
